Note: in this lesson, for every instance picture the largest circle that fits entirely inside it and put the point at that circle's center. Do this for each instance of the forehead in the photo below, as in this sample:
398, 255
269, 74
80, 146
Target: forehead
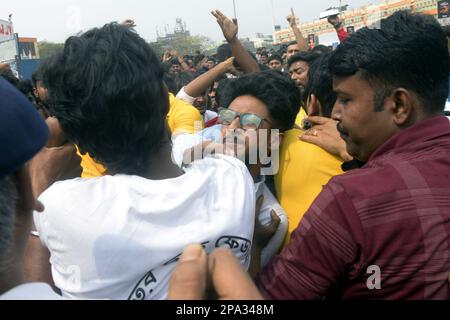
249, 104
276, 61
299, 65
352, 85
293, 47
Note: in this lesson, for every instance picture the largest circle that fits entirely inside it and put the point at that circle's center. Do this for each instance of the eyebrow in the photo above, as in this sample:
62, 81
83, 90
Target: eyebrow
337, 91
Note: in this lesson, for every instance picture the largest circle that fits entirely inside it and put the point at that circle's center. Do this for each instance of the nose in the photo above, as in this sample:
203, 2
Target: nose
336, 112
235, 124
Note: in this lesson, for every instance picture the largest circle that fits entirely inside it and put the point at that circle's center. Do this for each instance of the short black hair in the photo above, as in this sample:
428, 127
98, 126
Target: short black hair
407, 51
276, 91
308, 57
275, 57
321, 49
174, 61
320, 83
291, 44
107, 92
223, 52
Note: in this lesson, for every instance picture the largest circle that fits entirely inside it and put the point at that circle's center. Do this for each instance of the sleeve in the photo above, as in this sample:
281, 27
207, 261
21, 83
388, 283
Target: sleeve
181, 143
270, 203
182, 95
342, 35
322, 252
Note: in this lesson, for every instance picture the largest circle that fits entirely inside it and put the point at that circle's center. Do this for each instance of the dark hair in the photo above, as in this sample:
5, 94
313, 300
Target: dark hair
320, 83
107, 93
275, 57
198, 58
446, 30
10, 77
408, 51
308, 57
277, 92
291, 44
223, 52
8, 199
321, 49
174, 61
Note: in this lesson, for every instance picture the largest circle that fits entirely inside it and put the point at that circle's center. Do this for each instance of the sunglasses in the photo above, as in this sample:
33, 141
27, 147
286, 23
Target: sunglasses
247, 120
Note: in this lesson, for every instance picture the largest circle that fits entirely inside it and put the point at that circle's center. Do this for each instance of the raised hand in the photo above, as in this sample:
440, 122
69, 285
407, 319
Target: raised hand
229, 27
292, 19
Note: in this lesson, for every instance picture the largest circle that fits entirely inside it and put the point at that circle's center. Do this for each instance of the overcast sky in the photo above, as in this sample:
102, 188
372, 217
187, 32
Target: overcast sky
55, 20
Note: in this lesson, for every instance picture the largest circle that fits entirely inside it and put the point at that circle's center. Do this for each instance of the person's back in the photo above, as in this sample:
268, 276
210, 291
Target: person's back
119, 236
304, 170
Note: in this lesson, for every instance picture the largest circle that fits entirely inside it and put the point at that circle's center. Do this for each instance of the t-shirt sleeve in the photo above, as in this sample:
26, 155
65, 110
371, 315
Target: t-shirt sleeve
182, 95
322, 252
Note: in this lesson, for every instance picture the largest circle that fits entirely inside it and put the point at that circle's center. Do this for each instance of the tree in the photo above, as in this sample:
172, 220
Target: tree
47, 49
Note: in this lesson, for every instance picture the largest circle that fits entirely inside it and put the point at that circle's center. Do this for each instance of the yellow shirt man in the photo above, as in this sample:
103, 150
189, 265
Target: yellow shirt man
304, 170
182, 118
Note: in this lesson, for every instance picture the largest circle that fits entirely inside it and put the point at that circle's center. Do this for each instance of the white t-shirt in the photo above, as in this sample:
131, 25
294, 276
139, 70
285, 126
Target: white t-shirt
31, 291
119, 237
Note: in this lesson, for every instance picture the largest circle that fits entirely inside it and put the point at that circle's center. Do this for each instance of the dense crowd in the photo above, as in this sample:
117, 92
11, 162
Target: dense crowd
300, 173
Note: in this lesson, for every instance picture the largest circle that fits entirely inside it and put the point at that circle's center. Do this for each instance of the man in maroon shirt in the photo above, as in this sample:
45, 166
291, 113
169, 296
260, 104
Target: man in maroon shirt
382, 231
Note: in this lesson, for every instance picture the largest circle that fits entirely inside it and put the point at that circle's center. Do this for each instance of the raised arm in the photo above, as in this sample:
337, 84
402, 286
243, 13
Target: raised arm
230, 31
339, 27
200, 84
301, 41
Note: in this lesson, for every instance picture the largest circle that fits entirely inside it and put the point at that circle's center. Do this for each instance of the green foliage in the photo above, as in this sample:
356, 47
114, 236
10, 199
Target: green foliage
47, 49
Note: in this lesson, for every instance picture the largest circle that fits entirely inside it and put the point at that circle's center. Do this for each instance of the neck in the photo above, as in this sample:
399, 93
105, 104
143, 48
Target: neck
255, 171
12, 277
161, 165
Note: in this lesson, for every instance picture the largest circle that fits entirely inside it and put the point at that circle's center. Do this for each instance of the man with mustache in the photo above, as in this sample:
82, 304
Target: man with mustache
383, 231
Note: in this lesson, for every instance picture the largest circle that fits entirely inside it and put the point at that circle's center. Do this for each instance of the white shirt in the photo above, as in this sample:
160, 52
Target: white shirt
183, 142
119, 237
31, 291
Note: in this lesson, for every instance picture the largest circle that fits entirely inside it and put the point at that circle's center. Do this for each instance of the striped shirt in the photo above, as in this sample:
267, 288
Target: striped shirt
380, 232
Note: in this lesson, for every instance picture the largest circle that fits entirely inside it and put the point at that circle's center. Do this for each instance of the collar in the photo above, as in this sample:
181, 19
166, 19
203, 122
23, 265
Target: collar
426, 130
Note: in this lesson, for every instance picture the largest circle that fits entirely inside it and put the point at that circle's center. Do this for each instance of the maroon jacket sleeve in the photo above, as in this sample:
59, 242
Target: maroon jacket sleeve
342, 34
323, 251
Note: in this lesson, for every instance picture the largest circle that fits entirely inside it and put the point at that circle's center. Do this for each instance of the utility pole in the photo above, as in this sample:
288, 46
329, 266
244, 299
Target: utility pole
234, 7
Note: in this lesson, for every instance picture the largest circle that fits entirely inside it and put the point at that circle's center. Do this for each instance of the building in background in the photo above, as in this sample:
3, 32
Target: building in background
261, 40
28, 48
356, 19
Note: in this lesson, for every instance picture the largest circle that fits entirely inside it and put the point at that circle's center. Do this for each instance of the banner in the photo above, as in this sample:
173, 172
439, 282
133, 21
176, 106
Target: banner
8, 51
313, 40
6, 30
443, 9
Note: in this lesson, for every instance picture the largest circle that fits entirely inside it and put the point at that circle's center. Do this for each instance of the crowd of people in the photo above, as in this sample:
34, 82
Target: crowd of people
298, 174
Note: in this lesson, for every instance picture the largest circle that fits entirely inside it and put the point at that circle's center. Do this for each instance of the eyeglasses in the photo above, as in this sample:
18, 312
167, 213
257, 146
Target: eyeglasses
247, 120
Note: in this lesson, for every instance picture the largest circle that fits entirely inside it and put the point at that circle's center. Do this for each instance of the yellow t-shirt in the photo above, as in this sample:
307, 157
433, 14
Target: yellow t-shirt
182, 118
304, 170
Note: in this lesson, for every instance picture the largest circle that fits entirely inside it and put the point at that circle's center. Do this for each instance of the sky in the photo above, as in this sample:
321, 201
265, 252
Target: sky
55, 20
